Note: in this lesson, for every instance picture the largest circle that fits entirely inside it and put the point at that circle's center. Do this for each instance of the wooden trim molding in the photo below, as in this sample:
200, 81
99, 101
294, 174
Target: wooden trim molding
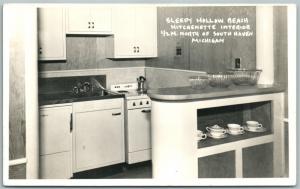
18, 161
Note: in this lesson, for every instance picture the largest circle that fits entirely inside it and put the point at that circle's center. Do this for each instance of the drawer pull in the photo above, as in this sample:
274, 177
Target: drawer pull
116, 114
44, 115
146, 111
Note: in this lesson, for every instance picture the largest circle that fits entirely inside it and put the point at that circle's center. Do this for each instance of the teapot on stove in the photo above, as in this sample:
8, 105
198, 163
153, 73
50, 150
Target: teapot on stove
141, 84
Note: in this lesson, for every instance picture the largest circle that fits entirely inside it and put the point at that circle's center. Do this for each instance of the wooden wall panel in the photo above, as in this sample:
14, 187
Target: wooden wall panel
17, 96
17, 172
162, 78
220, 57
87, 52
205, 57
280, 49
167, 45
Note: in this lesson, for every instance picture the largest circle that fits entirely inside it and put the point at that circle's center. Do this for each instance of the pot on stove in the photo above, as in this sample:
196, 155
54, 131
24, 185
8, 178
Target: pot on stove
141, 84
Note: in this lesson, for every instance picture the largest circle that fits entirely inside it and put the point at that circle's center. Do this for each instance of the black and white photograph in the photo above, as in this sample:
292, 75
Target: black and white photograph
112, 94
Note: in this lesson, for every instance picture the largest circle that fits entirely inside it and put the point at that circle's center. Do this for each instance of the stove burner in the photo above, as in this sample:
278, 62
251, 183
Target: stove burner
122, 91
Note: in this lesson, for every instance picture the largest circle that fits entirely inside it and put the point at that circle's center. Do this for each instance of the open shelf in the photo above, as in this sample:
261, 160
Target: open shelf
231, 138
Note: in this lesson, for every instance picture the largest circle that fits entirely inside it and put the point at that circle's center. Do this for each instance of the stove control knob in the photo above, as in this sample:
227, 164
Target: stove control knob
133, 104
141, 103
147, 102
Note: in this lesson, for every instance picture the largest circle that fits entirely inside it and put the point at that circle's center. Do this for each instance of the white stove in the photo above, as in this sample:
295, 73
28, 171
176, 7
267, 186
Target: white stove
137, 122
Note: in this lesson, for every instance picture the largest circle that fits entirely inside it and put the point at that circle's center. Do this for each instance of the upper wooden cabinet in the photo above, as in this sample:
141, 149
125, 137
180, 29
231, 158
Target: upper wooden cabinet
87, 20
51, 34
135, 33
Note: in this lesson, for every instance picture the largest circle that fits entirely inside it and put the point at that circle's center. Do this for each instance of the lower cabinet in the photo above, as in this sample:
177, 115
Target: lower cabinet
56, 166
257, 162
56, 142
217, 166
98, 134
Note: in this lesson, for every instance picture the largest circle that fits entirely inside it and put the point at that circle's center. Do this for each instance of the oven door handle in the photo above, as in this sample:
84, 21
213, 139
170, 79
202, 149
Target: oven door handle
146, 111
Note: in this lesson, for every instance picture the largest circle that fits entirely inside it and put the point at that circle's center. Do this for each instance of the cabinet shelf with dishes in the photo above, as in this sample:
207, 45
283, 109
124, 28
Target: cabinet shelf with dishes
251, 154
235, 114
227, 153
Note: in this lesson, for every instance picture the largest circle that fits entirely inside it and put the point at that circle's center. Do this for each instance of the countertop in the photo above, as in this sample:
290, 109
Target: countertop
187, 93
68, 97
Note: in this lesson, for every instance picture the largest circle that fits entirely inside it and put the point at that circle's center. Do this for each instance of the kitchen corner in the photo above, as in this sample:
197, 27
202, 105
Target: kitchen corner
154, 92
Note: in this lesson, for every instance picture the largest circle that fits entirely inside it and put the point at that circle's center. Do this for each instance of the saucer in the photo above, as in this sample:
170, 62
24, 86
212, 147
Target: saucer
236, 133
217, 137
258, 129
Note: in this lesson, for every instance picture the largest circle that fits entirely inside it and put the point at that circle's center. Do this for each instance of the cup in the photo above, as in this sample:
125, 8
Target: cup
253, 124
216, 132
234, 128
201, 135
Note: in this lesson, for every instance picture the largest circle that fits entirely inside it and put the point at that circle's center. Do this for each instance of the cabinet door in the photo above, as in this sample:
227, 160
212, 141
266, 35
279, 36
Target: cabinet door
51, 34
217, 166
99, 139
146, 31
138, 130
123, 29
56, 166
55, 134
101, 18
78, 19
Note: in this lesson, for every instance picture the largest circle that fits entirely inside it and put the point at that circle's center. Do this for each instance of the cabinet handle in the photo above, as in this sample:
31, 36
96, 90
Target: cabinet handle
146, 111
138, 49
43, 115
134, 49
40, 50
71, 122
116, 114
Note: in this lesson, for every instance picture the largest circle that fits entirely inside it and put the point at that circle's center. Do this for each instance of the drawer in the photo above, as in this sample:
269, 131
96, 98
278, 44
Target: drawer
56, 166
98, 105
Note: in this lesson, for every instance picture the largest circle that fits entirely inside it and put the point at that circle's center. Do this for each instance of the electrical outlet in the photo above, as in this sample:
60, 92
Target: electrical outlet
237, 64
178, 51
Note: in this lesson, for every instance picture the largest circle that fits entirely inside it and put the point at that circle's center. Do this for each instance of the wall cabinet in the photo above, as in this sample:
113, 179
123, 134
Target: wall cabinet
99, 134
51, 34
87, 20
135, 33
56, 142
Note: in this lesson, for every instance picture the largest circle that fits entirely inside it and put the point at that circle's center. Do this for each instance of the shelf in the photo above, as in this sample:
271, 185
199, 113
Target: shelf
212, 146
231, 138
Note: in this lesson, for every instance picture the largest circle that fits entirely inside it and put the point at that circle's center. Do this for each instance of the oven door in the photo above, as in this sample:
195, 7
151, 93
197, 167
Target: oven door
138, 135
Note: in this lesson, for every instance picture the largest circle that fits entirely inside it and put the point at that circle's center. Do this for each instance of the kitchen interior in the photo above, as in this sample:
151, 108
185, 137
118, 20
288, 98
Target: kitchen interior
118, 98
